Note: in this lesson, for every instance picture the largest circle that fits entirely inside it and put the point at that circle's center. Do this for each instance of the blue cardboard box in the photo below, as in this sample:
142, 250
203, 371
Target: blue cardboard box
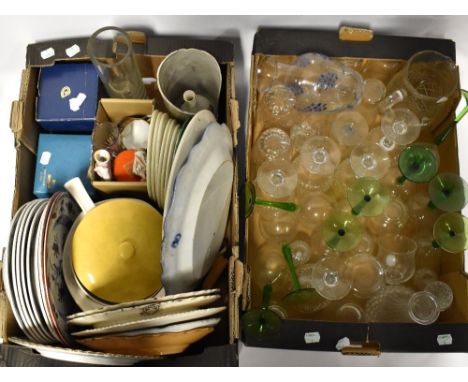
68, 95
61, 157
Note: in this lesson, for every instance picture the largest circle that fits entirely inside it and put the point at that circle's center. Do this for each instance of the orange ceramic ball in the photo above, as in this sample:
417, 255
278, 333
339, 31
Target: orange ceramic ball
123, 167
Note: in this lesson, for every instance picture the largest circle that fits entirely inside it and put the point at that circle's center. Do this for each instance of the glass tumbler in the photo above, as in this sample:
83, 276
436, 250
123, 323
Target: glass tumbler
120, 75
397, 255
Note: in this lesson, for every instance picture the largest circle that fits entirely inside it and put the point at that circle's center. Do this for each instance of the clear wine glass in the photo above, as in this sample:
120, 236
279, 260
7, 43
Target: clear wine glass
330, 278
373, 91
320, 155
306, 128
393, 219
366, 274
251, 200
278, 100
423, 277
315, 207
278, 225
369, 160
401, 126
267, 264
309, 181
273, 143
350, 312
300, 252
277, 178
389, 305
349, 128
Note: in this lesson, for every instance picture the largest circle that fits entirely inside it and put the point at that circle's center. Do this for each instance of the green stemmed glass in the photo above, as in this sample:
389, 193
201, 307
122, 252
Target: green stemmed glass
418, 163
451, 232
251, 200
299, 295
368, 197
448, 192
342, 232
262, 323
443, 136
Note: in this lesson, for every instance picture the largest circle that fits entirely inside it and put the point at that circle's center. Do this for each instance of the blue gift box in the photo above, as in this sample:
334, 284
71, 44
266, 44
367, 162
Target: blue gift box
68, 97
61, 157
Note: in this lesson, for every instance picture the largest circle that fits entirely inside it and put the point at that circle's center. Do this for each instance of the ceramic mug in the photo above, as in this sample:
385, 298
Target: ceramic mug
189, 80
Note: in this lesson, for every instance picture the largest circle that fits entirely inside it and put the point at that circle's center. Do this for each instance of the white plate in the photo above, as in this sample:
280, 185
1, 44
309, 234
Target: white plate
205, 181
167, 319
24, 271
163, 151
132, 304
7, 265
170, 158
158, 148
174, 328
150, 309
149, 169
190, 137
81, 356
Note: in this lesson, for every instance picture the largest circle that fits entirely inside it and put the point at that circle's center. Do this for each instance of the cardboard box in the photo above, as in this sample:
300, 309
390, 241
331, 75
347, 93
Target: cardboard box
368, 338
68, 94
220, 347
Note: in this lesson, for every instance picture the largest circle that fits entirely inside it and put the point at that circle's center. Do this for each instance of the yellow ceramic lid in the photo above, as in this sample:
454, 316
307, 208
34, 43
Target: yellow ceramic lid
116, 250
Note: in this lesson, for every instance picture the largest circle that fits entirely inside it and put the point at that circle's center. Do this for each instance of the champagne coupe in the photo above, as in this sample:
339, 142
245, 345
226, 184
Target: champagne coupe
320, 155
448, 192
442, 293
368, 197
251, 200
330, 279
273, 143
342, 232
419, 163
349, 128
451, 232
277, 178
262, 323
369, 160
299, 295
401, 126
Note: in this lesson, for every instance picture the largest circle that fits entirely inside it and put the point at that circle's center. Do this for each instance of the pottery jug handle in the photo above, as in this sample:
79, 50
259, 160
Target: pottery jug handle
76, 188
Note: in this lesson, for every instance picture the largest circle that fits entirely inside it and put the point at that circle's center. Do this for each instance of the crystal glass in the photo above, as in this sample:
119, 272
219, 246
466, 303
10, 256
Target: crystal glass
369, 160
397, 256
267, 264
330, 279
423, 277
376, 136
423, 308
277, 178
306, 128
451, 232
342, 232
401, 126
366, 274
300, 252
389, 305
425, 86
262, 323
325, 85
349, 128
367, 245
442, 293
320, 155
392, 220
373, 91
251, 200
315, 207
448, 192
278, 101
272, 144
418, 163
120, 75
278, 225
309, 181
368, 197
350, 312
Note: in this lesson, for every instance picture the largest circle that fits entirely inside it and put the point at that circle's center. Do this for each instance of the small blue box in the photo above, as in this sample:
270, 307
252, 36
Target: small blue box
61, 157
68, 97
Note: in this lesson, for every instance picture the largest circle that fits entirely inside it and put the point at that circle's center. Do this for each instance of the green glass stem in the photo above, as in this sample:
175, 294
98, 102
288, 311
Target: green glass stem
334, 241
401, 179
266, 295
443, 136
292, 270
431, 205
435, 244
285, 206
356, 210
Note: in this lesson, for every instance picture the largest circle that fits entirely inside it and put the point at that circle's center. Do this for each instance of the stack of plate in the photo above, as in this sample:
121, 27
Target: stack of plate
32, 268
151, 327
164, 136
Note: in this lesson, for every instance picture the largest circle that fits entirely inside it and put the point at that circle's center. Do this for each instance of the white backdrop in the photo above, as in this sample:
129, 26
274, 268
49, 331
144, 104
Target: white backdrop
17, 32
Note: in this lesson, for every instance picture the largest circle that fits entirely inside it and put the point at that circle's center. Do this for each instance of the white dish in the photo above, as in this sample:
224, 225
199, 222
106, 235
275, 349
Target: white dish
173, 147
191, 135
149, 159
205, 181
158, 147
167, 319
174, 328
163, 151
171, 127
111, 308
150, 309
81, 356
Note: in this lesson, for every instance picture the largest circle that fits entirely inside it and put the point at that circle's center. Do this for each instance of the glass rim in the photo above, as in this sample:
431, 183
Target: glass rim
392, 239
91, 46
433, 317
410, 85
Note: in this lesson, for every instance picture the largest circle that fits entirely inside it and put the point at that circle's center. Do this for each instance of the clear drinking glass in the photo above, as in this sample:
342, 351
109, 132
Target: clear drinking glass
349, 128
397, 256
373, 91
392, 220
120, 75
423, 308
320, 155
401, 126
366, 274
315, 207
442, 293
389, 305
309, 181
423, 277
369, 160
330, 279
267, 264
350, 312
272, 144
277, 178
277, 225
278, 101
425, 86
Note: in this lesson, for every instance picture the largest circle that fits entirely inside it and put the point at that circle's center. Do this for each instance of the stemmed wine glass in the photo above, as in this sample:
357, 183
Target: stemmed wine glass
451, 232
320, 155
262, 323
401, 126
349, 128
277, 178
368, 197
342, 232
272, 144
330, 279
369, 160
251, 200
419, 163
448, 192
